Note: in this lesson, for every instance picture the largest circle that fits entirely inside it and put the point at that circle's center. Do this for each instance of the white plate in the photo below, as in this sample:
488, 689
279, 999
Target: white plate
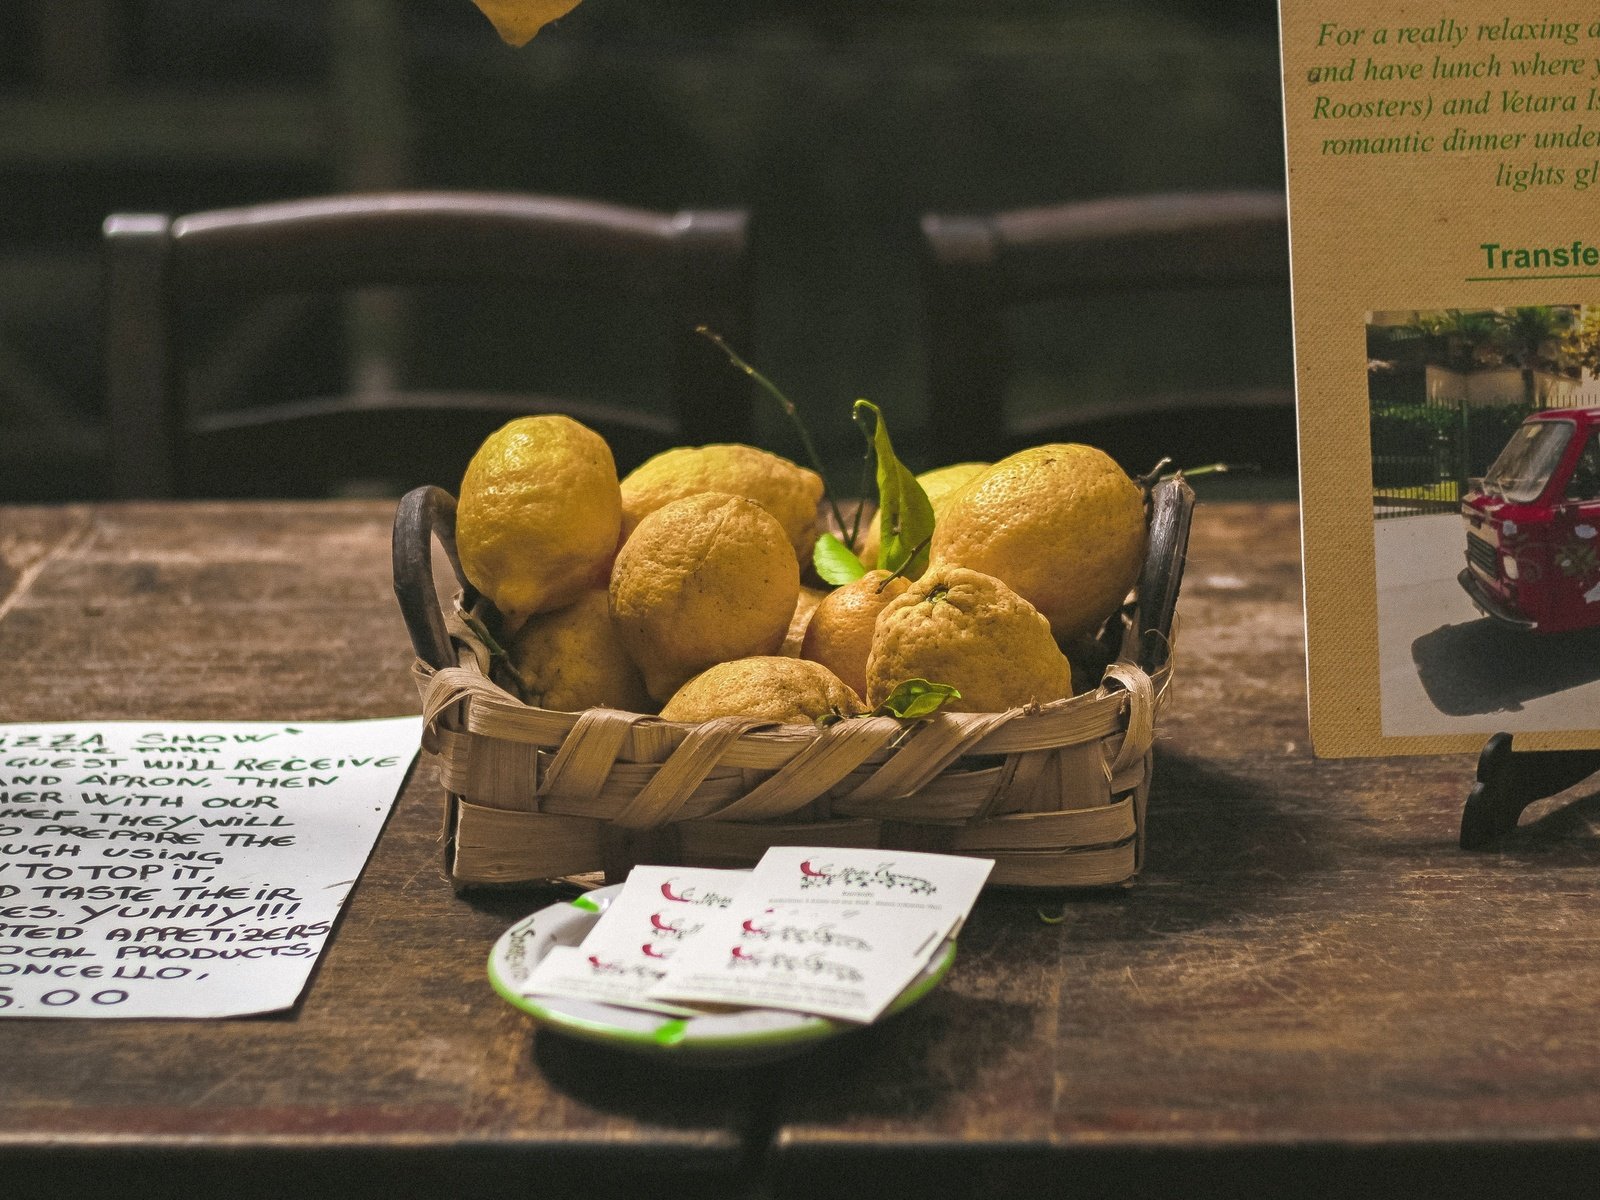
752, 1035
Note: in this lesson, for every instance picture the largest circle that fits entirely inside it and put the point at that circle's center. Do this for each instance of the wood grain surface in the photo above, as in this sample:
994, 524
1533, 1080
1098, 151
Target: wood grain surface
1310, 990
401, 1073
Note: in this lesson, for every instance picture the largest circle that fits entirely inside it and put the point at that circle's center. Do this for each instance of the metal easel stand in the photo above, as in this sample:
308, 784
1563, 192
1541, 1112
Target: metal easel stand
1510, 780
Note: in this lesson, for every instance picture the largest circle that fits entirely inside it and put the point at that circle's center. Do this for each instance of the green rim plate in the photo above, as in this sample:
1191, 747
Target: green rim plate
752, 1035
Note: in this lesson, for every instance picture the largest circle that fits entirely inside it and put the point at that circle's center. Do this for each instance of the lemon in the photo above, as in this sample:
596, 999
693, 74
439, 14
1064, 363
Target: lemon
538, 516
969, 630
789, 492
702, 580
791, 691
571, 659
939, 485
516, 21
1061, 524
839, 635
804, 606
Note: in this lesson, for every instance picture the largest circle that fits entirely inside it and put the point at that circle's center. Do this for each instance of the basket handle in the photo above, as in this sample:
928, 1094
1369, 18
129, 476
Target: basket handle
426, 513
1171, 508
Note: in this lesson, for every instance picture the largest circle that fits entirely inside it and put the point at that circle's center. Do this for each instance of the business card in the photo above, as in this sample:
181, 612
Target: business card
624, 954
833, 932
659, 909
572, 973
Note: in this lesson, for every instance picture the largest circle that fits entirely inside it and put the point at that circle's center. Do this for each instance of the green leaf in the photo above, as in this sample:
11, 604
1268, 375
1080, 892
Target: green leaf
914, 698
905, 517
836, 562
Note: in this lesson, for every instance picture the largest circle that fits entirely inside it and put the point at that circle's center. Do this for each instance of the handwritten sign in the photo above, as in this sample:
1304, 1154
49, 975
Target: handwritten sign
182, 869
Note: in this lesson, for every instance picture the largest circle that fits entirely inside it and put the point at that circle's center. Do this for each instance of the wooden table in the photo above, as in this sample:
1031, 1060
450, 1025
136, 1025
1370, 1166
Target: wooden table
1309, 991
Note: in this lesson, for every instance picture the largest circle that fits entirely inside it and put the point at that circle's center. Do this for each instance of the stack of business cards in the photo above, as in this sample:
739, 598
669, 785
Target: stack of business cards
829, 932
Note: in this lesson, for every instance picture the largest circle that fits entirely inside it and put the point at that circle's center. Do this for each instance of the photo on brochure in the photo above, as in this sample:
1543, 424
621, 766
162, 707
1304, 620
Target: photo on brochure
1485, 437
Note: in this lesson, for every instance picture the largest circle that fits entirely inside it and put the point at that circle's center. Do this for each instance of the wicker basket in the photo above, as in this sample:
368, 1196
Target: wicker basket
1055, 795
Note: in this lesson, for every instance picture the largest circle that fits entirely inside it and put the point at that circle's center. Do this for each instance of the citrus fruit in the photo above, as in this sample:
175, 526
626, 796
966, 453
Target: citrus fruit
939, 485
1061, 524
969, 630
538, 515
789, 492
807, 603
702, 580
516, 21
571, 659
792, 691
839, 635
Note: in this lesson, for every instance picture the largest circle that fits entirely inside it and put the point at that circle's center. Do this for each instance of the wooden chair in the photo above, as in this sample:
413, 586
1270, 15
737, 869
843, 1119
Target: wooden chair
691, 266
977, 268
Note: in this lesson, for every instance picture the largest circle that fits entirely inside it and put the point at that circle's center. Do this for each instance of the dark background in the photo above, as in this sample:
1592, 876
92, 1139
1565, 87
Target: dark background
836, 123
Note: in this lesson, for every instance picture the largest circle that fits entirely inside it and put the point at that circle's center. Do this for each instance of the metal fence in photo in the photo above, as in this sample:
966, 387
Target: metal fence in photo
1447, 388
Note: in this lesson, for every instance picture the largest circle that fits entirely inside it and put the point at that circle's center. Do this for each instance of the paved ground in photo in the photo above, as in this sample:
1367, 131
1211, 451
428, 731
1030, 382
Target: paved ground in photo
1444, 668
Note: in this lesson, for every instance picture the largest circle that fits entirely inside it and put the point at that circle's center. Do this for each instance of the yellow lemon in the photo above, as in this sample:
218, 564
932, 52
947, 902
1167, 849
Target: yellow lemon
702, 580
971, 631
792, 691
839, 635
538, 515
807, 603
516, 21
939, 485
1061, 524
571, 659
789, 492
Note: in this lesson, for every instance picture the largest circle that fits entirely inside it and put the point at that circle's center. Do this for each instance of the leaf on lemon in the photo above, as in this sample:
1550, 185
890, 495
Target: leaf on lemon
914, 698
835, 562
905, 516
516, 21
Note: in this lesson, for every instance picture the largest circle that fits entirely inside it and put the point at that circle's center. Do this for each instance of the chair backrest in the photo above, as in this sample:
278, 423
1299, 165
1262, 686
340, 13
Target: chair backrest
978, 267
692, 264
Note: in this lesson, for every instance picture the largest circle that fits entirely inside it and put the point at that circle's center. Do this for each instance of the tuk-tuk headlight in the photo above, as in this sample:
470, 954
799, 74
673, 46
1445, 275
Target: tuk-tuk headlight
1509, 566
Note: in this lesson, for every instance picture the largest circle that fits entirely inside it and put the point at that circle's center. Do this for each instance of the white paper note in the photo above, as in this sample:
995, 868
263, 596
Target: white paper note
939, 888
182, 868
838, 933
658, 910
572, 973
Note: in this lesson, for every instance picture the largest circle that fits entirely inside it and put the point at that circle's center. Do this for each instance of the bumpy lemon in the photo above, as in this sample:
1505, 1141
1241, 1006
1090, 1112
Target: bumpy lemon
571, 659
702, 580
839, 635
538, 516
939, 485
804, 606
789, 492
1061, 524
789, 690
971, 631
